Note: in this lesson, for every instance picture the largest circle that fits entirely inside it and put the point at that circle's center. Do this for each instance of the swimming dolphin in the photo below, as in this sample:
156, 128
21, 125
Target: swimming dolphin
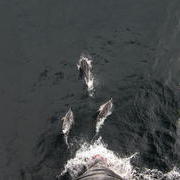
68, 121
85, 67
85, 72
104, 111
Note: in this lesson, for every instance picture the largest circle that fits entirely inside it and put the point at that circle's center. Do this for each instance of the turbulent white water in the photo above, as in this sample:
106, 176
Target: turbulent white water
105, 110
154, 174
68, 121
99, 124
85, 64
121, 166
83, 158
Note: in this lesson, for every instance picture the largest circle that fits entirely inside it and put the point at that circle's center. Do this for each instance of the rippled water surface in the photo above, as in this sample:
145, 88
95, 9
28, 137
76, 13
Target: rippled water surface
135, 47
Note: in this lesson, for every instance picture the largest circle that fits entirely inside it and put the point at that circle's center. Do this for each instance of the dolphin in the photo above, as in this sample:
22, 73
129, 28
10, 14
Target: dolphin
104, 111
85, 67
68, 121
85, 72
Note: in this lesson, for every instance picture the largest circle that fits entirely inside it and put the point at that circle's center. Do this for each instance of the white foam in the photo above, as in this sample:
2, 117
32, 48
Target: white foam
154, 174
173, 174
99, 124
83, 158
120, 165
90, 85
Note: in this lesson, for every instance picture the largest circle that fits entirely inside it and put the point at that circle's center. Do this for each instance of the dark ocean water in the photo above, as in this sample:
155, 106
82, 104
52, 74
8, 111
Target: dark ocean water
135, 46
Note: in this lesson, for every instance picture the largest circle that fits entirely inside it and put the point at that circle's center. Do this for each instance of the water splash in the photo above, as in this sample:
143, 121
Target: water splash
83, 159
85, 70
154, 174
173, 174
68, 121
105, 110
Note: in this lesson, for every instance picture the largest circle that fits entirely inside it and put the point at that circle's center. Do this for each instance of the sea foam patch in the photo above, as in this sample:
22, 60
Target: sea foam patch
122, 166
84, 159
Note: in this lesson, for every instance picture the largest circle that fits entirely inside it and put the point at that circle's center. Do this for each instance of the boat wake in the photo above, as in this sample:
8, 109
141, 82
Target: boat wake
84, 159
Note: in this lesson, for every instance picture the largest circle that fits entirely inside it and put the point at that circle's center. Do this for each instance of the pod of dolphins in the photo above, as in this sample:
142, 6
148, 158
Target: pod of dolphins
85, 72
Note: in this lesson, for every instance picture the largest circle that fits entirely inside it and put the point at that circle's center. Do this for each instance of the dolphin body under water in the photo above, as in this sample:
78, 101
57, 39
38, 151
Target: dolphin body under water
104, 111
68, 121
85, 72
